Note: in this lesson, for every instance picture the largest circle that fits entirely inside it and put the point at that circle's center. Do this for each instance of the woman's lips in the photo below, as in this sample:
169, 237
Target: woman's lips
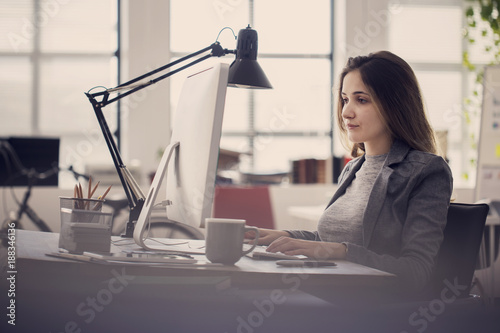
351, 126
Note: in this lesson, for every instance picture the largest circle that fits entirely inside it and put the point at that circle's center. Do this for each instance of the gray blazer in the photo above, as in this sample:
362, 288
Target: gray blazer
405, 215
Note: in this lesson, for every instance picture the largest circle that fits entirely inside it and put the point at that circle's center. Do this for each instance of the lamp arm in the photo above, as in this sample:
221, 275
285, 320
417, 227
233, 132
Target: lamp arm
134, 84
129, 183
135, 197
150, 82
160, 69
132, 190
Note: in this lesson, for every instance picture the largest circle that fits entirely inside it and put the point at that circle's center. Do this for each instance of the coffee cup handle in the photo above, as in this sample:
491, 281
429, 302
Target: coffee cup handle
255, 241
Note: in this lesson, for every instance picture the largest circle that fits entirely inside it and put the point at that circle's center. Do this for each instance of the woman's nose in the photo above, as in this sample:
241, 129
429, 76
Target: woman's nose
347, 112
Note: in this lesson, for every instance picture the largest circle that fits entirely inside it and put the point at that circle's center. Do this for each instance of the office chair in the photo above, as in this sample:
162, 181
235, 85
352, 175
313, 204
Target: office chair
252, 204
458, 255
447, 305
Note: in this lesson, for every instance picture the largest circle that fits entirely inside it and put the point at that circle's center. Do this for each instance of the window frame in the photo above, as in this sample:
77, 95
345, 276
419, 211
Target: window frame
252, 133
37, 57
463, 145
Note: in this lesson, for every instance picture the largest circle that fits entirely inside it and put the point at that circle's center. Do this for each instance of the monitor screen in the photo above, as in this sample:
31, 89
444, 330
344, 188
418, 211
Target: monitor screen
28, 153
190, 161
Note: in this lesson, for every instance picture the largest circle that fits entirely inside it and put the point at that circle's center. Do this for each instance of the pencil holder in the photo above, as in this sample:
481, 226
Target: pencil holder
83, 204
85, 228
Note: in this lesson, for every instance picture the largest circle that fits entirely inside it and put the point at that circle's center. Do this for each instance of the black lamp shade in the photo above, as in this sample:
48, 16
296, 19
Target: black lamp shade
245, 71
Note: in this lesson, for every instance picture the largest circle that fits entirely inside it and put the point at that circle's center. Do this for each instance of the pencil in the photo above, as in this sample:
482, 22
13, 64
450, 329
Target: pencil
87, 203
93, 191
98, 205
75, 195
90, 187
105, 193
80, 195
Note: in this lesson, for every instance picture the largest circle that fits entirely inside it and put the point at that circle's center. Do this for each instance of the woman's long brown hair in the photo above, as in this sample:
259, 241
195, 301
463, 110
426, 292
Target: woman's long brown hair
395, 91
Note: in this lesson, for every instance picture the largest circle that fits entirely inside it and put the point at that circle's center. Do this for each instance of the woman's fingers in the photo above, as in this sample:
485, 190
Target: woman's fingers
266, 236
311, 249
282, 244
250, 234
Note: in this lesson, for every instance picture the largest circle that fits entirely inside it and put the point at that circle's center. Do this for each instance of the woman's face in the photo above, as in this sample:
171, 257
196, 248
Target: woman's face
361, 118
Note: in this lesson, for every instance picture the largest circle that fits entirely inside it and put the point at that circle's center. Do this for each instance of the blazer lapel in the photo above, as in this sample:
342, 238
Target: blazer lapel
377, 197
375, 202
348, 179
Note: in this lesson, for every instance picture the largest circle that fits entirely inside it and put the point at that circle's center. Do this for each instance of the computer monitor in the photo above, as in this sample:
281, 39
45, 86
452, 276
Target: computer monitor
18, 155
190, 161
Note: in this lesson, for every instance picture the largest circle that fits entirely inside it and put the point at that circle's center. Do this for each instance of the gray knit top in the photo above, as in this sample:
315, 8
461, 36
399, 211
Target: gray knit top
342, 221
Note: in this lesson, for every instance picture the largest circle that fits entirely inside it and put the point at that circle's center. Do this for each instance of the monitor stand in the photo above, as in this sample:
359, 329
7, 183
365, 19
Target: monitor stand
143, 221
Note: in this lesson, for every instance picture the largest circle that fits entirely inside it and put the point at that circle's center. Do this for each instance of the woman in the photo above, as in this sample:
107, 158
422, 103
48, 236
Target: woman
390, 209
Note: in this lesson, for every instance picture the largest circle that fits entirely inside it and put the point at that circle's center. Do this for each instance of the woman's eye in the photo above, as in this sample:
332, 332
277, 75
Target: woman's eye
362, 100
345, 100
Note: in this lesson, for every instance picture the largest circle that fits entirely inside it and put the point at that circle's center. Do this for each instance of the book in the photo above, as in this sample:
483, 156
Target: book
312, 171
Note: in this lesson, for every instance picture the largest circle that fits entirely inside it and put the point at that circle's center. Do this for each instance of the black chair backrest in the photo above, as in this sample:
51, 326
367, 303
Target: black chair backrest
459, 251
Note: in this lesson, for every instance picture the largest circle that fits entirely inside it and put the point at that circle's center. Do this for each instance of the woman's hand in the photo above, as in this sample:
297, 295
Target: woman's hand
311, 249
266, 236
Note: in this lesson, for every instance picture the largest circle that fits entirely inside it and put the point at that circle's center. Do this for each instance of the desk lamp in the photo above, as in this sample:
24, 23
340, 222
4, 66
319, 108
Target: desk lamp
244, 72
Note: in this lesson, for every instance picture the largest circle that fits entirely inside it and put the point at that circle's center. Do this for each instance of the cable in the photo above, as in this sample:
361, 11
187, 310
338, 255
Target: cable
127, 240
168, 244
217, 39
88, 92
149, 220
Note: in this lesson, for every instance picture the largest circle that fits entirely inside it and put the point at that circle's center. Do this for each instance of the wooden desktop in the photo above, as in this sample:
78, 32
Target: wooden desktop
59, 295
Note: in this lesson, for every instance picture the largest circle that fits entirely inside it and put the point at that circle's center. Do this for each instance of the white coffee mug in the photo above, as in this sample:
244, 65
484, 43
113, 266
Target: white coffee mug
224, 240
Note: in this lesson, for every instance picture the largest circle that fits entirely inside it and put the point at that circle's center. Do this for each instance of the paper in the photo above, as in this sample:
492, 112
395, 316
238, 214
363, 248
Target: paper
489, 187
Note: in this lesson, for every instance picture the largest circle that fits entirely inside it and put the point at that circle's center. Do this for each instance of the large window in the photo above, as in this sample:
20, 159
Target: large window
51, 52
293, 120
428, 34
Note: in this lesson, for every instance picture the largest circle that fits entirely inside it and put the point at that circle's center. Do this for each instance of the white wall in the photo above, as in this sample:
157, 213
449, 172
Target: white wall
145, 46
361, 27
366, 26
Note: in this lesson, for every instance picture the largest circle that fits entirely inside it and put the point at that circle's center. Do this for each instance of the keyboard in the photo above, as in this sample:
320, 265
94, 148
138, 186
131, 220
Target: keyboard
260, 253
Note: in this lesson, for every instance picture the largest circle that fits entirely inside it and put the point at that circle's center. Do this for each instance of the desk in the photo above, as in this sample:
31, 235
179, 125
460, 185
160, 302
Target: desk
247, 273
56, 295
